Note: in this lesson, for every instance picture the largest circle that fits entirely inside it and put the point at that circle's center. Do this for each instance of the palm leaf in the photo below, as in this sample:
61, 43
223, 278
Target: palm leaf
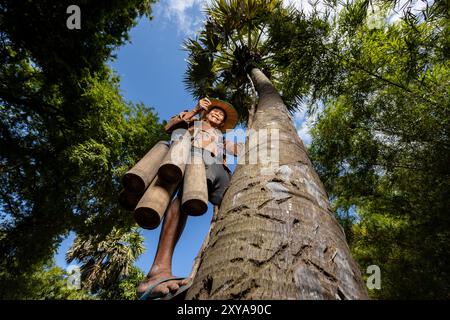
105, 260
232, 40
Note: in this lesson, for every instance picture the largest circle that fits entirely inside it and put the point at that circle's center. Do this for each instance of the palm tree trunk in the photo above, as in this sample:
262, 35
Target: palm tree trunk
276, 236
199, 257
251, 112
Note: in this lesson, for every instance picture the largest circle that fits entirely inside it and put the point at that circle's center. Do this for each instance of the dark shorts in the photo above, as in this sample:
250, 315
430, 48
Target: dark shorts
217, 177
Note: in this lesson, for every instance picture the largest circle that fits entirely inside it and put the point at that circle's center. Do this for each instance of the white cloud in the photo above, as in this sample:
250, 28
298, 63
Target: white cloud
300, 115
307, 5
302, 5
187, 15
303, 123
305, 133
414, 6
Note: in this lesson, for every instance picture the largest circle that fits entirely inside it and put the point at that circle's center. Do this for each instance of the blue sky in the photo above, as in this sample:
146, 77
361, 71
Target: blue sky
151, 69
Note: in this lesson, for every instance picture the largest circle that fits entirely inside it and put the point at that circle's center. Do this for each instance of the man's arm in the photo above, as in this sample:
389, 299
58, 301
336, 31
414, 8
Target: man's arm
201, 105
185, 116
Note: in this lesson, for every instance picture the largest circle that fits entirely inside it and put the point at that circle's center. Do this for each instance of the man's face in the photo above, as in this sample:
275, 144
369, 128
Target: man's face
216, 117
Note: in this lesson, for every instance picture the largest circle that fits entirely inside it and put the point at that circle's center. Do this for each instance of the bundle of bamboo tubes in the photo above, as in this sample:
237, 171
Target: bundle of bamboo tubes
150, 185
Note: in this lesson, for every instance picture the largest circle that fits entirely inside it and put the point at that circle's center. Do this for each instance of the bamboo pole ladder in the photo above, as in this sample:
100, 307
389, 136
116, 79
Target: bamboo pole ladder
142, 174
174, 163
154, 203
129, 200
195, 191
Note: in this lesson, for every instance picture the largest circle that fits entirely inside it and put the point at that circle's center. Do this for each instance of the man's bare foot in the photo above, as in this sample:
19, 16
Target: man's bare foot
163, 288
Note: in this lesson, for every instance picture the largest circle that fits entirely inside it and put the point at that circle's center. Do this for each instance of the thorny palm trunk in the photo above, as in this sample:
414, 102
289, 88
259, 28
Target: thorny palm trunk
276, 236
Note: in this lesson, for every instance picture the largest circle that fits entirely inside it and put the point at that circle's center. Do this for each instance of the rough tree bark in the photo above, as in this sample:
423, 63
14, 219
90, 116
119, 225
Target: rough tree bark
275, 236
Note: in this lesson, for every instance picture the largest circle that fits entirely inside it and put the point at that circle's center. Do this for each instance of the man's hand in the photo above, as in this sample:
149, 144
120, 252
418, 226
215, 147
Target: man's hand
183, 114
202, 104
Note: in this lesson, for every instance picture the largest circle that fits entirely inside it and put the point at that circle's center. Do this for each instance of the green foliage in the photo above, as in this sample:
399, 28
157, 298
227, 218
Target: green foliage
104, 260
381, 143
61, 53
232, 41
45, 282
302, 49
381, 138
125, 288
67, 136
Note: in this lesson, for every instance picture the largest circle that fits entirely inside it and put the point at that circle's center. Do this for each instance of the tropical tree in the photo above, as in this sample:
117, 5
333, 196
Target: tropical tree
125, 287
394, 142
275, 236
381, 144
45, 282
66, 134
106, 260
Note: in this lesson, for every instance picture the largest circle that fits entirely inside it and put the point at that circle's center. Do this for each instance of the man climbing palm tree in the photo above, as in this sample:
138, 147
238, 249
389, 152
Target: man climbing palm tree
217, 116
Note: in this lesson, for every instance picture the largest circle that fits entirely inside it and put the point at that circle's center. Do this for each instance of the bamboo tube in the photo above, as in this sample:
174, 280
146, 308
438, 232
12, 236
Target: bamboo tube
142, 174
174, 164
153, 204
129, 200
195, 190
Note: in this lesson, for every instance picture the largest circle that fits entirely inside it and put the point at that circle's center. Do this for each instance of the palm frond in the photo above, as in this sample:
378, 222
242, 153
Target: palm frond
105, 260
232, 40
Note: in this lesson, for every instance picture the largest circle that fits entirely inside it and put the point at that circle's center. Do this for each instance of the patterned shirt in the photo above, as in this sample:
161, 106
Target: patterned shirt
209, 138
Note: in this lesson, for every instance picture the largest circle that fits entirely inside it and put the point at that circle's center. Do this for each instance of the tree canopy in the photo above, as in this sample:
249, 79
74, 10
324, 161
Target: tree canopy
232, 41
376, 83
67, 135
381, 135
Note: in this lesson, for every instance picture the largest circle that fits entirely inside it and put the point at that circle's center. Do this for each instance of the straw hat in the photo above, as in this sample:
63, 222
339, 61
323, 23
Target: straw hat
231, 113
